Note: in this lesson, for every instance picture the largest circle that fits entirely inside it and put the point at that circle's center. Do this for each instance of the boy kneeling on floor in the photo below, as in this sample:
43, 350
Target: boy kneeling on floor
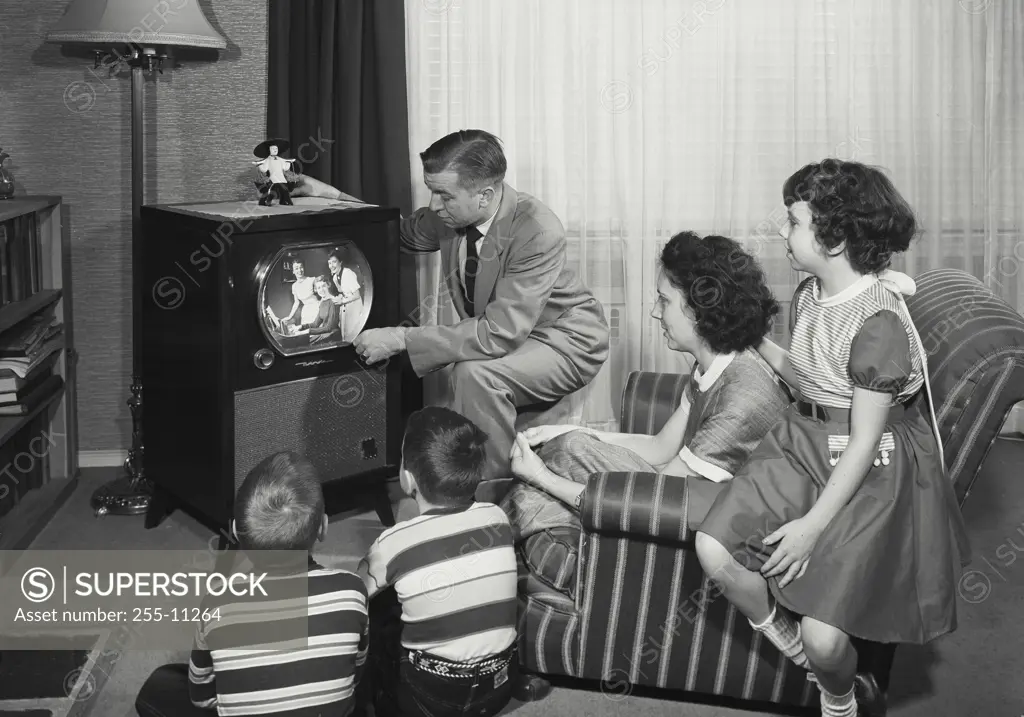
443, 584
279, 507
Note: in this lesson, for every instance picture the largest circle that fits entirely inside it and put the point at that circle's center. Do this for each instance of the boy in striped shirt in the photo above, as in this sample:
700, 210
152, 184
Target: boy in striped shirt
443, 584
279, 507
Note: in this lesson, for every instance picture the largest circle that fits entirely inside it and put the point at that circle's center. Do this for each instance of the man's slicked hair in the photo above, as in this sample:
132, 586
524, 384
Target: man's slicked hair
473, 154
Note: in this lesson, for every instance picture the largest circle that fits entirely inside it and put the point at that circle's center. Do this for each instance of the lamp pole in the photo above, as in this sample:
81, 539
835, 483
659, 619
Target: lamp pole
131, 494
140, 26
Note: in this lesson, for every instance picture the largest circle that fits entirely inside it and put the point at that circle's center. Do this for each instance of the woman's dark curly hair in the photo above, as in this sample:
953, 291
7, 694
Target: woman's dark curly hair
725, 288
853, 203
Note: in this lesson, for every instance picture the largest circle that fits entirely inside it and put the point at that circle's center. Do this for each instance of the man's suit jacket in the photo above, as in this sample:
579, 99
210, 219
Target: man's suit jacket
523, 289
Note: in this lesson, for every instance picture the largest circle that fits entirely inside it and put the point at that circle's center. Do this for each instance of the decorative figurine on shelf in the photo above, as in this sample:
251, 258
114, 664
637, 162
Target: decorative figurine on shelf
272, 167
6, 178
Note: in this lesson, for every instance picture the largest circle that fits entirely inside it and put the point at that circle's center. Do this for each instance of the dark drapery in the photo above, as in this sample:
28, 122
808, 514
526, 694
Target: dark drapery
336, 90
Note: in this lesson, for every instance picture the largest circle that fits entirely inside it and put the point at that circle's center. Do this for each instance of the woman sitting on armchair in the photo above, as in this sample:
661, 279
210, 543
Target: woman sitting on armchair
714, 303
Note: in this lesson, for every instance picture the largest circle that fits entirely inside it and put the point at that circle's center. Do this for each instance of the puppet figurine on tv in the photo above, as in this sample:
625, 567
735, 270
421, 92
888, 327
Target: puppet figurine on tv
273, 167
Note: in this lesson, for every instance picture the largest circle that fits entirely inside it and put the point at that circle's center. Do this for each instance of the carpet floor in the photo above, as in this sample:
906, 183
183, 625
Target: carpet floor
972, 672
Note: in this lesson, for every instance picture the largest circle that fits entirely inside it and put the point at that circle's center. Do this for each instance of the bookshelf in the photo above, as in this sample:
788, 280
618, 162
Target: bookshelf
38, 406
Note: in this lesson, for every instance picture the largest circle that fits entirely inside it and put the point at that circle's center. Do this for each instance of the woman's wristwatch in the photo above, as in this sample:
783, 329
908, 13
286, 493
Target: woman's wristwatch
578, 503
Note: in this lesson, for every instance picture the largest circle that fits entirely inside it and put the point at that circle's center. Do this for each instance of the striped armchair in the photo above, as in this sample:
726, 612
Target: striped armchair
644, 613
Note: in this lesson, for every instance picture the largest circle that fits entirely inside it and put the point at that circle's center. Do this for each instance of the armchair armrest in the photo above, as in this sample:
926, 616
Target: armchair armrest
646, 506
649, 399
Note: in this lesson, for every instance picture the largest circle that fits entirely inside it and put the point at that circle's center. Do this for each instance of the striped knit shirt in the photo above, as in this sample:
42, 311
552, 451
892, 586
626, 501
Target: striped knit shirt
454, 571
314, 680
823, 336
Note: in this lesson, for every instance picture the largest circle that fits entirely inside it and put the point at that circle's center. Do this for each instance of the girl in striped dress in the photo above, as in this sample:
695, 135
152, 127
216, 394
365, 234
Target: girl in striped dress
843, 517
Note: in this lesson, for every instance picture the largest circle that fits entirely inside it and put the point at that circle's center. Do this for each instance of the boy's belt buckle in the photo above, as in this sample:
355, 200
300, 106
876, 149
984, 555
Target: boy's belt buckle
455, 669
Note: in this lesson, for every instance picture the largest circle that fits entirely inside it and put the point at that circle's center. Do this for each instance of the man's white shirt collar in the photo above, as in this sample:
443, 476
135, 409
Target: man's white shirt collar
486, 226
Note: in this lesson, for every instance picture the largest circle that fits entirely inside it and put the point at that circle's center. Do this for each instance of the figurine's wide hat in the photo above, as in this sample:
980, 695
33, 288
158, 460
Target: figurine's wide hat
263, 148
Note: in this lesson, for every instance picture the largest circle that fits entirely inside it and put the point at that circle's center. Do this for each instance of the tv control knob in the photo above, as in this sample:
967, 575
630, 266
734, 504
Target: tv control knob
264, 359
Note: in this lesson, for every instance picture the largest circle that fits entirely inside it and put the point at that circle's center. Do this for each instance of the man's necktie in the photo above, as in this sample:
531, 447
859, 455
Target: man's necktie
472, 266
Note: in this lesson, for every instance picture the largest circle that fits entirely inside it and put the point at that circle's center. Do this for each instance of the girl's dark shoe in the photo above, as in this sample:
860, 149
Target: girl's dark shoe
870, 698
531, 688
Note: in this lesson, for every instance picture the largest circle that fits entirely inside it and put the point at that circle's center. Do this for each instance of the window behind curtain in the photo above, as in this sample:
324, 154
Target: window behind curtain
636, 119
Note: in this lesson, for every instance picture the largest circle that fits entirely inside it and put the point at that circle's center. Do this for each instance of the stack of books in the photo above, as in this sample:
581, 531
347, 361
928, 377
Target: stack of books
28, 355
21, 265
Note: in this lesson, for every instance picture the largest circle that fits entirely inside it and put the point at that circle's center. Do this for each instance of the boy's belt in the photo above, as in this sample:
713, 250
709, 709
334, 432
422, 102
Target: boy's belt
449, 668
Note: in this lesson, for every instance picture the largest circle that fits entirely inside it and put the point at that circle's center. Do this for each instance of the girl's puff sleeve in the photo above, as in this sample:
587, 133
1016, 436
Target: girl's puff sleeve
880, 357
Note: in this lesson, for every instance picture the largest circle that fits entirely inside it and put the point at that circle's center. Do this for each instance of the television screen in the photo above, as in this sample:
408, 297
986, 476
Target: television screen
315, 297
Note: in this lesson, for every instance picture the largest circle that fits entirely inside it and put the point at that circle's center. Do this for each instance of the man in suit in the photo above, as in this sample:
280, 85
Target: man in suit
530, 331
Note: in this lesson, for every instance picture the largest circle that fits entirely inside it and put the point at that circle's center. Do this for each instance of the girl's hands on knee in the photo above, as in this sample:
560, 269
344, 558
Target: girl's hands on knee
794, 543
526, 465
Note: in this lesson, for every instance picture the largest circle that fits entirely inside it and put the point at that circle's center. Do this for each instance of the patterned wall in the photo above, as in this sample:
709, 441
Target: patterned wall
67, 128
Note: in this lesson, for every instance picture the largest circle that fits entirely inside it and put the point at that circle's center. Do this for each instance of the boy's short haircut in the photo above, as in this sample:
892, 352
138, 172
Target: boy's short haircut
280, 505
444, 451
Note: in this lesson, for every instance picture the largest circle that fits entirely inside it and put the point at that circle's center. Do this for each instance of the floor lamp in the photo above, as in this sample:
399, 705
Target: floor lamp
135, 34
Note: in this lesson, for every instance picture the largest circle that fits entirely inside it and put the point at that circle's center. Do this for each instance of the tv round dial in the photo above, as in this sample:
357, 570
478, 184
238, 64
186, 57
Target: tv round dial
264, 358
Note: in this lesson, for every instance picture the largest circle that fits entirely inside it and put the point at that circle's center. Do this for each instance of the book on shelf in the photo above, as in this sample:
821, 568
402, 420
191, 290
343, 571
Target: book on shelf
21, 269
28, 335
40, 394
5, 269
31, 383
21, 366
10, 382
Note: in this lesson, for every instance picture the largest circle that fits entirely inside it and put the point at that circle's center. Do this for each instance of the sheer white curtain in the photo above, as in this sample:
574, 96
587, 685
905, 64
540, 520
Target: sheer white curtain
636, 119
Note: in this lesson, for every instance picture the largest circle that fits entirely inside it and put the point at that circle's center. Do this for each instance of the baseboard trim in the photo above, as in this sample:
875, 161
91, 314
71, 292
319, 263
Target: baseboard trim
101, 459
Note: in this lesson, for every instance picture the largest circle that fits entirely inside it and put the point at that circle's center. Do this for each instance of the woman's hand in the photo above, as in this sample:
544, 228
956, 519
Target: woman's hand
796, 541
542, 434
526, 464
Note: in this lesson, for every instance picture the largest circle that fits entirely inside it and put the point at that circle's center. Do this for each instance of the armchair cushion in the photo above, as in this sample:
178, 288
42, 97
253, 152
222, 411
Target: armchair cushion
975, 347
649, 399
647, 506
550, 556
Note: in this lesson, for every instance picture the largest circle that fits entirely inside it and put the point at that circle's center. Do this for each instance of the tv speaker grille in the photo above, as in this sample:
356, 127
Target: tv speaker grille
337, 422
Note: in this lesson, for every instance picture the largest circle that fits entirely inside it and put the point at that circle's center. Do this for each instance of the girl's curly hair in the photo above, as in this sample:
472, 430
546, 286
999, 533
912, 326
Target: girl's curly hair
725, 288
853, 203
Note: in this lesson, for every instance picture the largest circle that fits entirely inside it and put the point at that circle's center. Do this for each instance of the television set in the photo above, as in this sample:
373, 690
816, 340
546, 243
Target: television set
249, 321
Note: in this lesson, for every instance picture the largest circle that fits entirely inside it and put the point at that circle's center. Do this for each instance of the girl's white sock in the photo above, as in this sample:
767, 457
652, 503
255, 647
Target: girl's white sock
784, 632
838, 705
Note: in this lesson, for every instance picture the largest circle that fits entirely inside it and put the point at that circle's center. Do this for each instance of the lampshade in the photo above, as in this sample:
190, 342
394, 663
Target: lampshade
142, 22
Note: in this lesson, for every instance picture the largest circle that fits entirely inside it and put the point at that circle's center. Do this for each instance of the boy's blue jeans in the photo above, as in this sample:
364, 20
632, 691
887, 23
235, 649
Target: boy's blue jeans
401, 688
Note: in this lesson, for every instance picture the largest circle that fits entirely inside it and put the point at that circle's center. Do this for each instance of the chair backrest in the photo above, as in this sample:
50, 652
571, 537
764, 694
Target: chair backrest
975, 347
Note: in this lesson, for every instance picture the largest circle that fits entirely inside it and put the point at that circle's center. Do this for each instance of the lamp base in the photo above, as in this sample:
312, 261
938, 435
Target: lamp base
122, 496
132, 493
